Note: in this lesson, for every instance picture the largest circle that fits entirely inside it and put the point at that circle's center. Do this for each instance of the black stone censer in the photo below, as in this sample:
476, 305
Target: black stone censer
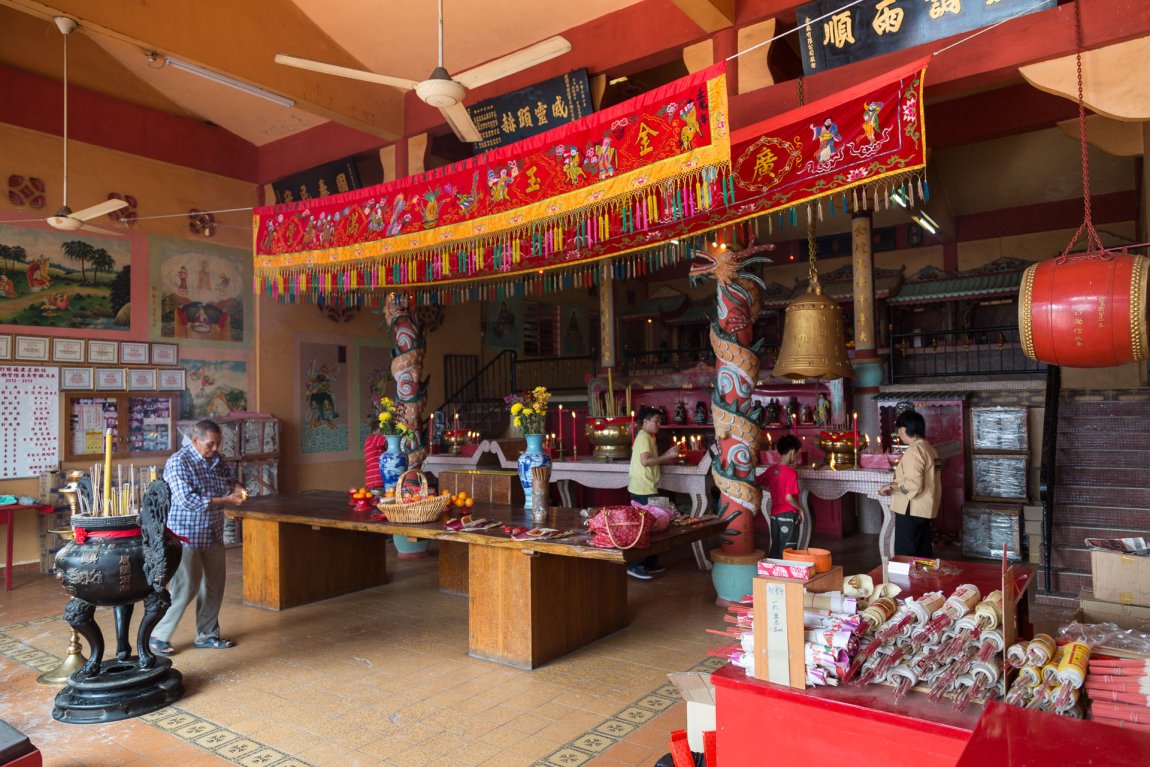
116, 561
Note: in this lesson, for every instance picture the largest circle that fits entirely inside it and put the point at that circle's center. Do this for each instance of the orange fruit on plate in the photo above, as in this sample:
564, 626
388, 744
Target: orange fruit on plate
469, 502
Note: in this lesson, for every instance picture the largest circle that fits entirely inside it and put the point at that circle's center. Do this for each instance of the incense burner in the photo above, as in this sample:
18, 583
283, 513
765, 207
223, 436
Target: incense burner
610, 437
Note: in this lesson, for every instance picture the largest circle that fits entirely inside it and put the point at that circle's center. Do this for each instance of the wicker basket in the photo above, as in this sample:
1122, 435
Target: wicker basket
426, 510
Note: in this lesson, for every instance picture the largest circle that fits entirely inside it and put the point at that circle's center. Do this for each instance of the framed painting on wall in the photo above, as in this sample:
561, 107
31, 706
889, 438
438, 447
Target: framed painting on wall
172, 380
133, 353
103, 352
142, 380
110, 379
31, 348
165, 354
76, 378
67, 350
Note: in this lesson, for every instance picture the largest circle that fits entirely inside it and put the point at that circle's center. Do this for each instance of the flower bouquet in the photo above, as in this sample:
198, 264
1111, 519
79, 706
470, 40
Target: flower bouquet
390, 421
529, 410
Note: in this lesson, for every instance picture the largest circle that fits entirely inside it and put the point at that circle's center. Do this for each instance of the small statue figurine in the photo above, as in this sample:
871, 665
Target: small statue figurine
805, 415
681, 412
793, 410
822, 410
773, 411
700, 412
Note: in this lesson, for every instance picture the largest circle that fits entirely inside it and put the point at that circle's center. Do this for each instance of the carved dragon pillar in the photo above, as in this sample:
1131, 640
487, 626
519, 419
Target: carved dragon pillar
737, 418
407, 370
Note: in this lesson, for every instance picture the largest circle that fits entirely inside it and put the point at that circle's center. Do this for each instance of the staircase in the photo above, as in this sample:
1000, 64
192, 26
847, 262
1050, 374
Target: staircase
477, 393
1102, 486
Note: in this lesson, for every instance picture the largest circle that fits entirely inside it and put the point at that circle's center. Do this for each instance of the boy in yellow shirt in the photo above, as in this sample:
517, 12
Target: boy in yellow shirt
643, 476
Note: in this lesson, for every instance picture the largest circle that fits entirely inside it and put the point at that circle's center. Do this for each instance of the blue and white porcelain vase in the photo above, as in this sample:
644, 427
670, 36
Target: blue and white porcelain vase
392, 463
532, 457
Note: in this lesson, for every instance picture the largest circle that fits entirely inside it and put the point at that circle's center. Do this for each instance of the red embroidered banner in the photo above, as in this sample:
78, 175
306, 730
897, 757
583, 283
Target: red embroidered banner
870, 135
618, 183
537, 203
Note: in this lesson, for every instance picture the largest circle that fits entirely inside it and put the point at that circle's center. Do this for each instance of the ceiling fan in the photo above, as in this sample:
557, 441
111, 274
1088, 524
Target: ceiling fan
65, 219
440, 89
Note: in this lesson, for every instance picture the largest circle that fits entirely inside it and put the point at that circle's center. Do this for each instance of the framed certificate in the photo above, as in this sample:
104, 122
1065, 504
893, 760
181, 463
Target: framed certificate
142, 380
133, 353
31, 348
110, 379
76, 378
165, 354
172, 380
67, 350
103, 352
5, 347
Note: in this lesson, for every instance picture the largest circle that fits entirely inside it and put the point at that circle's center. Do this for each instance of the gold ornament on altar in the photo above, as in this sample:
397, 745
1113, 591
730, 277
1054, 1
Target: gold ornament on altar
840, 448
813, 344
611, 437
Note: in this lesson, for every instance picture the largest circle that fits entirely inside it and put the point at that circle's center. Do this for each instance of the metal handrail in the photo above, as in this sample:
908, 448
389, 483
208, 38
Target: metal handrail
1049, 471
948, 353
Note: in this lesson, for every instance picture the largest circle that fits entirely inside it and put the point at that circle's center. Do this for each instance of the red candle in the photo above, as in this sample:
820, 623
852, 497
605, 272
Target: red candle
561, 426
856, 430
632, 425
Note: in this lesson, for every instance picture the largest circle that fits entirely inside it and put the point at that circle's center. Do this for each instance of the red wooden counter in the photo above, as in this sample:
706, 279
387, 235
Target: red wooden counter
760, 723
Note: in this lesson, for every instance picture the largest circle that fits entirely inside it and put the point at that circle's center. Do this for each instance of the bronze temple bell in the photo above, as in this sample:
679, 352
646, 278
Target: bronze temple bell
813, 342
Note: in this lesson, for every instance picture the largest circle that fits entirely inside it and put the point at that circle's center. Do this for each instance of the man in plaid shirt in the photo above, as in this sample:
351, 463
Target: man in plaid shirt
200, 488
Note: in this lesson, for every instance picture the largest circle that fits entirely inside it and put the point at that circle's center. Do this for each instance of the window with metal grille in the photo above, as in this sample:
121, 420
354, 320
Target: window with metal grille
540, 329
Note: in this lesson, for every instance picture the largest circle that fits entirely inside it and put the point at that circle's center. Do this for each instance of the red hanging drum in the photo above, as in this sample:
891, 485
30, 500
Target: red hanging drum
1085, 311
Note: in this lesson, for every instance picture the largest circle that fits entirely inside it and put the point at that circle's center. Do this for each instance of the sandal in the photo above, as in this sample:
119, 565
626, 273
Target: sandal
160, 647
215, 643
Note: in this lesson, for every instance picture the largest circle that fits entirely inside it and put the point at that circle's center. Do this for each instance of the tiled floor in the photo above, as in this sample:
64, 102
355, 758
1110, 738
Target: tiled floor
382, 677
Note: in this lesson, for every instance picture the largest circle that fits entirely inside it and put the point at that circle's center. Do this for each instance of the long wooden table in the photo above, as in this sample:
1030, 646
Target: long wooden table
529, 601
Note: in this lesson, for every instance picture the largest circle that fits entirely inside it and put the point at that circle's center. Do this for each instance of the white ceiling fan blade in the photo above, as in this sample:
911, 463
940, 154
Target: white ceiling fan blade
96, 211
88, 228
355, 74
460, 122
513, 62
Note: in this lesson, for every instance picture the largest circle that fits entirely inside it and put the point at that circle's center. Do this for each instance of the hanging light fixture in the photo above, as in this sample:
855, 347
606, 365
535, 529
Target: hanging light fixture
813, 342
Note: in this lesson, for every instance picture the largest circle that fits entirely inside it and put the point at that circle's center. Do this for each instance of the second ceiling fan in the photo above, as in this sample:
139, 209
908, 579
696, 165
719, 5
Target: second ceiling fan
440, 89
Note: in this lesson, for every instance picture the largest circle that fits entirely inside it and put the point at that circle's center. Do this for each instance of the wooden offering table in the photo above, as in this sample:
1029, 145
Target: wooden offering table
529, 601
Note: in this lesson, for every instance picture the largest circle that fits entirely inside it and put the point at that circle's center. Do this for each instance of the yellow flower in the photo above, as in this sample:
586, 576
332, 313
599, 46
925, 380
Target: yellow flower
384, 417
537, 407
518, 422
516, 408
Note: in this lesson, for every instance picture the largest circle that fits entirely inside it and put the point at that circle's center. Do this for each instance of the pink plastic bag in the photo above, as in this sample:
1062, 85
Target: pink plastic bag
661, 516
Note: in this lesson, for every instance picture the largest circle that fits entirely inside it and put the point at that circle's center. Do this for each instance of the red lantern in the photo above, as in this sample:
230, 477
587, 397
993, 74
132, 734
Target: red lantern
1085, 311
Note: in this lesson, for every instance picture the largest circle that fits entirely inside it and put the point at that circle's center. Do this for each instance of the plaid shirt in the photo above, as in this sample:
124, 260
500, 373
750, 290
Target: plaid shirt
194, 482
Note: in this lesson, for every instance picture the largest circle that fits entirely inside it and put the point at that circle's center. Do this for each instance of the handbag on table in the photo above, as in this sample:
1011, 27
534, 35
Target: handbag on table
621, 527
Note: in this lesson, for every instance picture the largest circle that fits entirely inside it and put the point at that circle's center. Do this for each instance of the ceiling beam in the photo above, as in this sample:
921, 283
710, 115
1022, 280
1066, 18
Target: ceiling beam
710, 15
233, 38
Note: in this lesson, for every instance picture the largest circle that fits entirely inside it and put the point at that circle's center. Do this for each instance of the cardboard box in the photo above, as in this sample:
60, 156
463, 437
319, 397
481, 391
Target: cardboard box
1091, 610
697, 690
1121, 578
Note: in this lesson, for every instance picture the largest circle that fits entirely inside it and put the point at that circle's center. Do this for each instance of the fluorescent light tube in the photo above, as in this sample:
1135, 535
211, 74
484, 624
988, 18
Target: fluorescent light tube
207, 74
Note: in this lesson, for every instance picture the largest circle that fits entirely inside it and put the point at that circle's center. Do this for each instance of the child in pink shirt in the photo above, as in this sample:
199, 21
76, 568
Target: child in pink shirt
782, 482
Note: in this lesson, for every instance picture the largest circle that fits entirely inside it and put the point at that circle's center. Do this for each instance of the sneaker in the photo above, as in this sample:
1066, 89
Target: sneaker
638, 571
655, 568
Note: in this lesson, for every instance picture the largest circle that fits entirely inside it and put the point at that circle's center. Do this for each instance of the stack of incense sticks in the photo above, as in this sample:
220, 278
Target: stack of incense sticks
1119, 692
740, 620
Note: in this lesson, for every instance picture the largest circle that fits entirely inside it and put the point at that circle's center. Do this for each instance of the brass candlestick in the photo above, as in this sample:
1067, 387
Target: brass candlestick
75, 659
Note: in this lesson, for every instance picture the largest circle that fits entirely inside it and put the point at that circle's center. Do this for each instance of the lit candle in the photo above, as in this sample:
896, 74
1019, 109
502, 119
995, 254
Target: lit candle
632, 415
856, 429
574, 437
560, 424
880, 443
457, 422
430, 431
107, 471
